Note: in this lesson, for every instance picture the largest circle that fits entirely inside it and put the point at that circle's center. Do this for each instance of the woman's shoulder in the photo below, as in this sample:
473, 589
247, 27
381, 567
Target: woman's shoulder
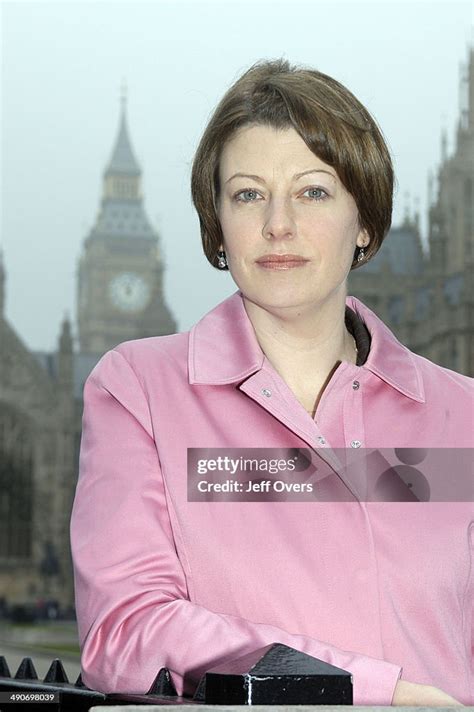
443, 384
152, 347
149, 356
393, 358
438, 376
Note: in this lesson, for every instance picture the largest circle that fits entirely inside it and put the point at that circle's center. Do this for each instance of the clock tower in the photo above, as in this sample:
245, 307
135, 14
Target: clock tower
120, 270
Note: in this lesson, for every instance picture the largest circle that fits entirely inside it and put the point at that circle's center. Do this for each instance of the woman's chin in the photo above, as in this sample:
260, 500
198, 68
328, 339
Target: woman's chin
279, 299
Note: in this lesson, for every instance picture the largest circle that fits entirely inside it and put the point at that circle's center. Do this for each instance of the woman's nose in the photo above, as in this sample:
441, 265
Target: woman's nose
279, 222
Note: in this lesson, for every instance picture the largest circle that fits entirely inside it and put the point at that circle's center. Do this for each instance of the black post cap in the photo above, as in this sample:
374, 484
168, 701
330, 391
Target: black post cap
276, 675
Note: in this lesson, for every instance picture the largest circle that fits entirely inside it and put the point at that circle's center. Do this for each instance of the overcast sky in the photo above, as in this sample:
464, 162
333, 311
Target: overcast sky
62, 66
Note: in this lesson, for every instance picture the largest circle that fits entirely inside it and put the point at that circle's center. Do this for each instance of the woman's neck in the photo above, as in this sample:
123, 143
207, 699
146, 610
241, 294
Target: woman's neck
304, 347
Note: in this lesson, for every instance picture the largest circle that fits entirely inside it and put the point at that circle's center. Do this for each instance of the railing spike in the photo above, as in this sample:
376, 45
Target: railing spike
4, 669
26, 670
163, 684
56, 672
79, 682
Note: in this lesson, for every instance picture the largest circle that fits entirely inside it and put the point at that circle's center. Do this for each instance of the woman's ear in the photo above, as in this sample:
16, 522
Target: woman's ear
363, 238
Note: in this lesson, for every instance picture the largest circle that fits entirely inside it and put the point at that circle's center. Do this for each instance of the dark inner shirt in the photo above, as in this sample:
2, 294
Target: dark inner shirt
361, 334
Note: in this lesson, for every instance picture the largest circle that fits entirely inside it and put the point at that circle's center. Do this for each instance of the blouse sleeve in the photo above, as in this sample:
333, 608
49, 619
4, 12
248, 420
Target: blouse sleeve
133, 610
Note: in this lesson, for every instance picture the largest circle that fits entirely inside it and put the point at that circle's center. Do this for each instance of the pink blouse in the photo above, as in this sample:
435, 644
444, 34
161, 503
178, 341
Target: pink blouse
380, 589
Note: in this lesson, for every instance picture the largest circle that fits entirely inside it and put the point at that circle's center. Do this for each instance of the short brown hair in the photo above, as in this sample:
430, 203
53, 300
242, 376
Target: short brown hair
335, 126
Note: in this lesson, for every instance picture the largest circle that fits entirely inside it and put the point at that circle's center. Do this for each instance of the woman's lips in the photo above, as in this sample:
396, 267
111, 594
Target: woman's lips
281, 262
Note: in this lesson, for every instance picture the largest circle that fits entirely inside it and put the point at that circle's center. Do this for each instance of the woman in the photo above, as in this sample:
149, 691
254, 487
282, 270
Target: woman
292, 182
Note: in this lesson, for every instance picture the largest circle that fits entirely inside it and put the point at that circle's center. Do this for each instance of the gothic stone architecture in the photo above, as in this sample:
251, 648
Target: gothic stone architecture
119, 297
120, 273
38, 425
425, 299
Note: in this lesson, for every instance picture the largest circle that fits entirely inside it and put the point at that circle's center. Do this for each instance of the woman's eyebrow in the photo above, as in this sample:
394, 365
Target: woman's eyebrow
295, 177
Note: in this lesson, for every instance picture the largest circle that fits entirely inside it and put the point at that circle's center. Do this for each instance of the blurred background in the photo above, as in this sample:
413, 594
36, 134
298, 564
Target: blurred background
102, 107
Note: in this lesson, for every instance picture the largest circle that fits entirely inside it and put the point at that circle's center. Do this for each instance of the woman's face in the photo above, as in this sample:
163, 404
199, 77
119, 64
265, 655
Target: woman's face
271, 211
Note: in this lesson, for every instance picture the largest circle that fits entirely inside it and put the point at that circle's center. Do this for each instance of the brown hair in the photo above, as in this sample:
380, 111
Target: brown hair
331, 121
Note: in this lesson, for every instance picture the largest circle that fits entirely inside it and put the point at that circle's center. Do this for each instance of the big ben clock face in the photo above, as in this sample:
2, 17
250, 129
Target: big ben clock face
129, 292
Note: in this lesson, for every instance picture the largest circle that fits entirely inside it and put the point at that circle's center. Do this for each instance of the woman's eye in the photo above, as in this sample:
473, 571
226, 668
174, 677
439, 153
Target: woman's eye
322, 193
247, 191
249, 195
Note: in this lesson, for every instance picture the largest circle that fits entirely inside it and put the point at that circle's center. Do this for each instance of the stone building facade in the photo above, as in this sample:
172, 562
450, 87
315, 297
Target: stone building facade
38, 424
119, 297
426, 299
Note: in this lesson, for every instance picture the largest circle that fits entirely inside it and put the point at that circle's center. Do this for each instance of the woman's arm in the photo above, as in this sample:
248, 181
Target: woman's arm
133, 609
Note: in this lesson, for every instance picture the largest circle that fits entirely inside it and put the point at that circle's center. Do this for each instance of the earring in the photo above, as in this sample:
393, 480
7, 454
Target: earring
361, 255
222, 260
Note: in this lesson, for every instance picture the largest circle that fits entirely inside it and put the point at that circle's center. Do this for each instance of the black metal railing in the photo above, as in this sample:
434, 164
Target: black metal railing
273, 675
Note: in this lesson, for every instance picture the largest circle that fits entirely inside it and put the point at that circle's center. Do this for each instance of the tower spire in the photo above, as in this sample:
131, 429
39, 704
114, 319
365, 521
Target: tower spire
3, 278
123, 96
406, 217
123, 161
444, 144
